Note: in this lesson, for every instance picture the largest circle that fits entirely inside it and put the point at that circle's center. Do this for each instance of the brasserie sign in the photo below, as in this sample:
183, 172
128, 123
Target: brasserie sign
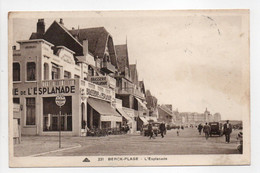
98, 94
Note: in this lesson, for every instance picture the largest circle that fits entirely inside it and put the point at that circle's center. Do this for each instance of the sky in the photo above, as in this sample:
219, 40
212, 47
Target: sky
192, 60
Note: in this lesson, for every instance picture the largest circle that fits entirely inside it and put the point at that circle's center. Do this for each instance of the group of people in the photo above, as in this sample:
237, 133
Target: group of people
227, 130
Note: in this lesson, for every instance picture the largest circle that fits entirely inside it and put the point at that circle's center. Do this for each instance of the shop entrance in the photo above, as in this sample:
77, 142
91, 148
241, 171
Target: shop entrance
51, 115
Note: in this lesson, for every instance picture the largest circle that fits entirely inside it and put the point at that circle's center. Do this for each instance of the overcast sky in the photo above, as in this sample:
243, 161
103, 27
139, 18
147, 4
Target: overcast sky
190, 60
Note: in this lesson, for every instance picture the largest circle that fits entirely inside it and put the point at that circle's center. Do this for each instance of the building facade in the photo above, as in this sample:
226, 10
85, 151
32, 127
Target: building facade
82, 65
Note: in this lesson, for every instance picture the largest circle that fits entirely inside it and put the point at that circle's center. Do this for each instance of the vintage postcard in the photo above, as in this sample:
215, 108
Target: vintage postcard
129, 88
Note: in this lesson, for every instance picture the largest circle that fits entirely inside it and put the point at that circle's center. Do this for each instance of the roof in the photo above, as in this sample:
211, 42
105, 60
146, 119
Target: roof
165, 109
97, 39
35, 35
122, 57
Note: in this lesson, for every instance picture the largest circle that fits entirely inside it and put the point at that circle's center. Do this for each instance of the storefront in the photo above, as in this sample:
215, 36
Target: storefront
102, 115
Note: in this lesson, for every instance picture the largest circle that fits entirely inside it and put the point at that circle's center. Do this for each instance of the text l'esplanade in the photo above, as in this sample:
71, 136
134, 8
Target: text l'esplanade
45, 90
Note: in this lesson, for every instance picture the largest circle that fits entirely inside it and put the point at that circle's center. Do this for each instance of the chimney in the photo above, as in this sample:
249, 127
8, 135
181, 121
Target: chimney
61, 21
85, 47
40, 26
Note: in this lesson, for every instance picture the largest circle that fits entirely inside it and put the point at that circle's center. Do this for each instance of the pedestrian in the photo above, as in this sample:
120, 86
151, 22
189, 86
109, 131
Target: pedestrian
206, 130
200, 127
162, 129
227, 131
127, 128
150, 130
178, 130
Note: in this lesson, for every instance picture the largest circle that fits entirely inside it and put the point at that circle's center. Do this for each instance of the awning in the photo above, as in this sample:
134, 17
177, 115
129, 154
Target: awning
102, 107
144, 120
110, 118
151, 118
142, 104
122, 112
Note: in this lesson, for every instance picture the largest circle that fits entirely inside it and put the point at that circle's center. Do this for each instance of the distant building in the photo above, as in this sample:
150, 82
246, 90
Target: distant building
217, 117
151, 104
165, 114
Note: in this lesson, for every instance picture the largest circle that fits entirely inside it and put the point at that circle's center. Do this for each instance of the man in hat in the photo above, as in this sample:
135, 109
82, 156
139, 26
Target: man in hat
206, 130
162, 129
227, 131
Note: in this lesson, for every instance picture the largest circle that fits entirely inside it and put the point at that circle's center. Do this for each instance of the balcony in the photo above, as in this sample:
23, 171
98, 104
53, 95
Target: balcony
132, 91
58, 82
107, 67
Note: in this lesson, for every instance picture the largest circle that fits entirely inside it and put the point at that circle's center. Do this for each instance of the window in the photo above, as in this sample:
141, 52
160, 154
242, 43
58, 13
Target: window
30, 111
16, 71
31, 71
55, 72
67, 75
46, 71
90, 71
76, 76
16, 100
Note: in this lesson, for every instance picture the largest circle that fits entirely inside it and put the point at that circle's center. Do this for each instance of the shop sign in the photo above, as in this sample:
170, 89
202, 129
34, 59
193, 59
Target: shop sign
60, 100
98, 94
45, 90
103, 80
99, 80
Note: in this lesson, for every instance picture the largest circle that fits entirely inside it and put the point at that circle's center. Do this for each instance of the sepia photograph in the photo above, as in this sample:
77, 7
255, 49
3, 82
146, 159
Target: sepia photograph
129, 88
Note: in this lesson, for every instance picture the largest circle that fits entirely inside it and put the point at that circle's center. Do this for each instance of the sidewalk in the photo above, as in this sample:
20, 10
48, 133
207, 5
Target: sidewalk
33, 145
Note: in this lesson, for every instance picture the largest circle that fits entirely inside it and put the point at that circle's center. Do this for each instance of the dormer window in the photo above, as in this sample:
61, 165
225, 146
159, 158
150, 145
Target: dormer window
106, 57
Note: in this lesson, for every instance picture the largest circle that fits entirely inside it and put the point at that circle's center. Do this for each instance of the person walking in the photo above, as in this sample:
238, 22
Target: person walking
150, 130
178, 130
206, 130
200, 127
162, 129
227, 131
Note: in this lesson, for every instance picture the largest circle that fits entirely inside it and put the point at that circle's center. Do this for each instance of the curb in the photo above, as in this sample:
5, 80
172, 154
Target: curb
54, 151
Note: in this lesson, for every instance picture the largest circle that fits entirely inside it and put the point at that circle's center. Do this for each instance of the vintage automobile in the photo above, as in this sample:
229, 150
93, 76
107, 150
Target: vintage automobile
155, 126
216, 128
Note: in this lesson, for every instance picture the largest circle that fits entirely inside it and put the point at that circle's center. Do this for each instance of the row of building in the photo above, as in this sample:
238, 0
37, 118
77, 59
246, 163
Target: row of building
101, 87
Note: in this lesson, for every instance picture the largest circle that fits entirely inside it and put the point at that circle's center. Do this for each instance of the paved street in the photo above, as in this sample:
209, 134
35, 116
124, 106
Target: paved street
189, 142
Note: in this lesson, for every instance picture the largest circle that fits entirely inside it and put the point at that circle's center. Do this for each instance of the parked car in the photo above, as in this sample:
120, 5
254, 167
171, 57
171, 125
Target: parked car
216, 128
156, 129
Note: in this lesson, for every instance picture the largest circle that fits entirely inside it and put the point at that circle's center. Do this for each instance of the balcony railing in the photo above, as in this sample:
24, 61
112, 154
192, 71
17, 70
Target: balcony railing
58, 82
132, 91
108, 67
